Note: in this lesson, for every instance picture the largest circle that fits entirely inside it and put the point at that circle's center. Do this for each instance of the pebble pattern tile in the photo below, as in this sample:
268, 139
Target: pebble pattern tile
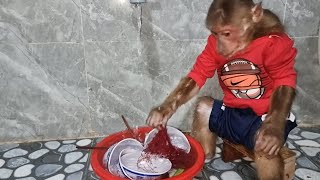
61, 160
53, 160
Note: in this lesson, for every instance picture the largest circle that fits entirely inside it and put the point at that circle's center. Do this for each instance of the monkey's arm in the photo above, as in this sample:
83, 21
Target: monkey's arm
186, 89
270, 137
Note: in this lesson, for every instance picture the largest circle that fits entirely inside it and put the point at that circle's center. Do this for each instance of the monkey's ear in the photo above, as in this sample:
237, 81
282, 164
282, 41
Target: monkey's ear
257, 12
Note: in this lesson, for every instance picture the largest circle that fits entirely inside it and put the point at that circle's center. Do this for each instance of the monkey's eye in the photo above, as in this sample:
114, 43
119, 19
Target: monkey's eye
214, 33
226, 34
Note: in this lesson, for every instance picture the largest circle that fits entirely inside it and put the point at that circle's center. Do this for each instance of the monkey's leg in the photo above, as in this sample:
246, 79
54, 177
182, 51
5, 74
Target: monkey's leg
200, 126
269, 169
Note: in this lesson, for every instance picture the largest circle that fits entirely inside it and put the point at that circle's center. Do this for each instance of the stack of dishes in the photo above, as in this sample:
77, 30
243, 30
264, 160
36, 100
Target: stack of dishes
126, 158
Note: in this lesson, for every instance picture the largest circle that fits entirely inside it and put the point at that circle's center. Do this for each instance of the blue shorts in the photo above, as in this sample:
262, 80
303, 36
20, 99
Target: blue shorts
240, 125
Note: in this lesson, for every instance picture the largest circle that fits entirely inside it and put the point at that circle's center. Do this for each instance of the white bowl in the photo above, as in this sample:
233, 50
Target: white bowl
152, 169
177, 138
128, 144
106, 156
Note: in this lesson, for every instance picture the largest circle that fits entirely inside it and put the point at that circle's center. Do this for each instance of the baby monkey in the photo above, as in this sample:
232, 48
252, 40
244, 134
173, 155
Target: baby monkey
254, 59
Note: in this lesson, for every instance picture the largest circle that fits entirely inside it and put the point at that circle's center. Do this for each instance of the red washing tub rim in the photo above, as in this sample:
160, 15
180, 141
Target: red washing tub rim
97, 155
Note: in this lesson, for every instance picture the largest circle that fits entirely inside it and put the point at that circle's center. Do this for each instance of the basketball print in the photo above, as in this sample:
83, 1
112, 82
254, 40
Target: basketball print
242, 78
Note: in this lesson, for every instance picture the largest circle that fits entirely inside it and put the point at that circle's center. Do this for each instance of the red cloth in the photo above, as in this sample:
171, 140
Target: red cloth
249, 77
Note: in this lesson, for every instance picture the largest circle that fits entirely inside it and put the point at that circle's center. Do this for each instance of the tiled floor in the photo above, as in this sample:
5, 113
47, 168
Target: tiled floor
58, 160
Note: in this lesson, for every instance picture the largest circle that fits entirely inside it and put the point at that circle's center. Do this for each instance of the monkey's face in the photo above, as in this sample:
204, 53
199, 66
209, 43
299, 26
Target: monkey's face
230, 39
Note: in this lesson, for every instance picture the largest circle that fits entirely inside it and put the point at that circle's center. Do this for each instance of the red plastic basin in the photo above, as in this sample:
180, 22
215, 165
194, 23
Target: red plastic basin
97, 155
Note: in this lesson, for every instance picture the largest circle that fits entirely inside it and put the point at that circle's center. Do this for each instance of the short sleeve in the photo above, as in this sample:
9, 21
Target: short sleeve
205, 64
279, 60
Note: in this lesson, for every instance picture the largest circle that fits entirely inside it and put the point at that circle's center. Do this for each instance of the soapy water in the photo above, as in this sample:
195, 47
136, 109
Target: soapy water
146, 163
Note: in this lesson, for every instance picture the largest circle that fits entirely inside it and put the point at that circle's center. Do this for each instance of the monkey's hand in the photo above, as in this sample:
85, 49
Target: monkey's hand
269, 139
159, 116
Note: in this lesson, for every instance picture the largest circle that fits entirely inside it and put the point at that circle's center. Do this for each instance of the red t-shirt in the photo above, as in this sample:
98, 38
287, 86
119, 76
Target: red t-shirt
249, 77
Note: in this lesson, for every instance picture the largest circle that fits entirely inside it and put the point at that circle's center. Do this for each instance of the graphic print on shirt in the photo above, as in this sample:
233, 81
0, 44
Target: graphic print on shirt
242, 77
